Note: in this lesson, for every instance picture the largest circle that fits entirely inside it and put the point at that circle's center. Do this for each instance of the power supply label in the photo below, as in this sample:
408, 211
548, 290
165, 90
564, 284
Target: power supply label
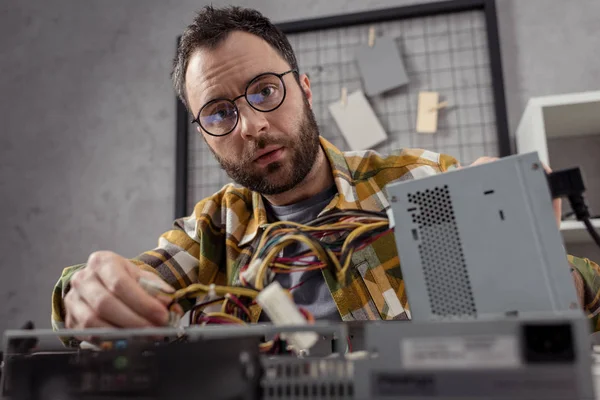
478, 351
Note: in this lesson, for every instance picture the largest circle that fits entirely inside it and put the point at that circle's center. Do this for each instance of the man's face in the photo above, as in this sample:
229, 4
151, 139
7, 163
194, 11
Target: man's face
266, 152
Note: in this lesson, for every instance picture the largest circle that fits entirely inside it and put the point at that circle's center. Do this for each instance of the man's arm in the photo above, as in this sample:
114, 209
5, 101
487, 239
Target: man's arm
177, 260
586, 275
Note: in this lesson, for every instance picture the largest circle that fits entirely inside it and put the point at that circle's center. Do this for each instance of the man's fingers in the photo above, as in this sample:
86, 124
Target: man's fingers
156, 286
483, 160
119, 265
547, 168
129, 291
177, 309
164, 286
121, 278
81, 316
110, 307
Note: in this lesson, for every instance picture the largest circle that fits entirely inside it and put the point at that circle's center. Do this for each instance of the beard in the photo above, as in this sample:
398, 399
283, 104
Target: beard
277, 178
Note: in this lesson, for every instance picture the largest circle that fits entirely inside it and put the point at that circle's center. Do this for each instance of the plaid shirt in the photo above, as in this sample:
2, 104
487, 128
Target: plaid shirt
212, 244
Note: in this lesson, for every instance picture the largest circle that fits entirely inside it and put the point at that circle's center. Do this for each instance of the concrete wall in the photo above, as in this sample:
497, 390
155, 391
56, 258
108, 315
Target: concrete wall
87, 119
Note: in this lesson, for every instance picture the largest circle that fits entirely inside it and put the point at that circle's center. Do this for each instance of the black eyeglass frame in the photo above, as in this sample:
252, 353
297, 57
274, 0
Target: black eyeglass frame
245, 95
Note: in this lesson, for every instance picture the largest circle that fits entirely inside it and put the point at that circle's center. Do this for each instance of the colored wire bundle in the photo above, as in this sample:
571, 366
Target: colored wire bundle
233, 311
196, 290
330, 240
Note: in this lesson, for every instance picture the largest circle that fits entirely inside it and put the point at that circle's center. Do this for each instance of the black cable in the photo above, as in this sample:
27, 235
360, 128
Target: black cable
568, 215
201, 305
583, 214
569, 183
592, 230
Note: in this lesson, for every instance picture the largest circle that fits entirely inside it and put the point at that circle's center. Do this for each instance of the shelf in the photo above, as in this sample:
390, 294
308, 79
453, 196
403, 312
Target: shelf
546, 117
562, 116
575, 232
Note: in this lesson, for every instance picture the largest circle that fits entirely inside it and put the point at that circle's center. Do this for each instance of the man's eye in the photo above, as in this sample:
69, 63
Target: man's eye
267, 91
217, 114
222, 114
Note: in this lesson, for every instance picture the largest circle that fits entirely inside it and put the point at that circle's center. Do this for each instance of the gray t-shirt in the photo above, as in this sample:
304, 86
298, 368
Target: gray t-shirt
309, 288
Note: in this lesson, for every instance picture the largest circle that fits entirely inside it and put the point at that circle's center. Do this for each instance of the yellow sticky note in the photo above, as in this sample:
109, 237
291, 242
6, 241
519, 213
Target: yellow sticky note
427, 114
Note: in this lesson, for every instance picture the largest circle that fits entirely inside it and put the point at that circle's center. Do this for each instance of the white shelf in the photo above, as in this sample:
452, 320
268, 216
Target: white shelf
572, 114
575, 231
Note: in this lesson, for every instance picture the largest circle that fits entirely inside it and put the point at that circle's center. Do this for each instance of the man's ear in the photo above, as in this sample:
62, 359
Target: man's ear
305, 85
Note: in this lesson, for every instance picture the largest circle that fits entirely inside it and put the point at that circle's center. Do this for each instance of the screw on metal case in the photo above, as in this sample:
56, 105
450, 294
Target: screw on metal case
535, 166
394, 199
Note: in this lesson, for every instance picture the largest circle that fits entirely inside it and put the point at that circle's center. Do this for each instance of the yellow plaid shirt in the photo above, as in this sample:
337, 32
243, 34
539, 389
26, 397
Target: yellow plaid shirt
218, 238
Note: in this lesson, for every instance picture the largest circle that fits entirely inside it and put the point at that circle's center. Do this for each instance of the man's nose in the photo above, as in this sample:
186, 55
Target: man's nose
253, 123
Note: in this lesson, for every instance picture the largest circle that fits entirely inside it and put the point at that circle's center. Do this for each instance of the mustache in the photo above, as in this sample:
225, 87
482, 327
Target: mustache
260, 144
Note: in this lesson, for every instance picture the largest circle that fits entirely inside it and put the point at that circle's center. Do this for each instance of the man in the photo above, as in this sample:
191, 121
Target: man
238, 76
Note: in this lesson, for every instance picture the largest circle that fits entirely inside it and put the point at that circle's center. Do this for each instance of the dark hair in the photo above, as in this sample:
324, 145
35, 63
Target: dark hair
212, 25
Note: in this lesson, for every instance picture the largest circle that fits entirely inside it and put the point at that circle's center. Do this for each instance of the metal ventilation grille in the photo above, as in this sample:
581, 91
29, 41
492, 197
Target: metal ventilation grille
289, 378
442, 258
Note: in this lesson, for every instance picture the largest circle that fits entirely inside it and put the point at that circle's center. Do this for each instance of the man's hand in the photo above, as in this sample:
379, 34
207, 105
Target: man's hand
106, 293
556, 203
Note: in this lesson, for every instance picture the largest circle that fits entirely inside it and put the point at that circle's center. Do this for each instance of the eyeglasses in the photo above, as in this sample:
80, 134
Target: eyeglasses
264, 93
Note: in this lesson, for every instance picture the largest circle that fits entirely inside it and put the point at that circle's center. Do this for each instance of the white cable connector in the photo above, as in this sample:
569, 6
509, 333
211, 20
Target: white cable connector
212, 295
390, 215
283, 311
250, 273
155, 289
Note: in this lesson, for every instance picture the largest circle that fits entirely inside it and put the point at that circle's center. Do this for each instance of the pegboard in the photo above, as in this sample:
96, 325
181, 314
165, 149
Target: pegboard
450, 47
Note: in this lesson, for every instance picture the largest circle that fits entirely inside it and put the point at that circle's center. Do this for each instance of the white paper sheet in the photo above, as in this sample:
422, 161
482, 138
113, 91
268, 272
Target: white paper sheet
357, 122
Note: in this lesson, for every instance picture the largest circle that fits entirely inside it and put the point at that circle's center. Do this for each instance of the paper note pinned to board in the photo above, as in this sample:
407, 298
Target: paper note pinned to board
357, 122
381, 66
427, 114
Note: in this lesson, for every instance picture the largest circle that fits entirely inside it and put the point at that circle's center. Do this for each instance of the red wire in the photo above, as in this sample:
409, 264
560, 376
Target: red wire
304, 269
295, 259
307, 315
371, 240
234, 299
297, 285
315, 264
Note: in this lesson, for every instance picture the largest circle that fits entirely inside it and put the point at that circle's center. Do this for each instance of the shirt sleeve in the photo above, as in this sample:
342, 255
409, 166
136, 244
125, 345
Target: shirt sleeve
188, 253
586, 275
447, 163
